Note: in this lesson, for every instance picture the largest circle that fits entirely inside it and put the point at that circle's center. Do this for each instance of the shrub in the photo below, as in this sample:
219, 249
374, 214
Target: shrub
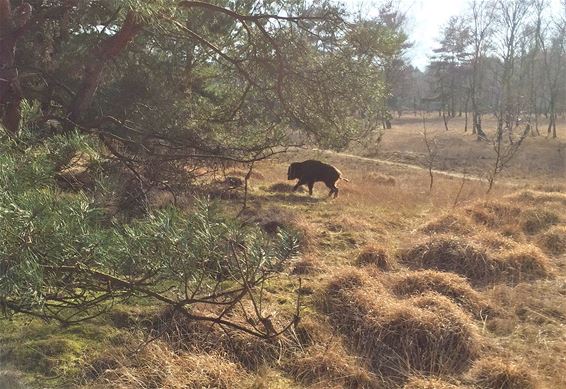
72, 263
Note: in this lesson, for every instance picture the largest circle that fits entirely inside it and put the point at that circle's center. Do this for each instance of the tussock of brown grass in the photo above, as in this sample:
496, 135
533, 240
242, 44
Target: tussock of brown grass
495, 241
474, 261
322, 364
429, 383
537, 198
453, 254
377, 256
428, 334
448, 224
450, 285
496, 373
524, 263
157, 366
307, 265
534, 220
550, 188
382, 179
493, 213
313, 329
553, 241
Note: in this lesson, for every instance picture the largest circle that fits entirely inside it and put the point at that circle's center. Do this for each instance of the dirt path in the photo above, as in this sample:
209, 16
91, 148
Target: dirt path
404, 165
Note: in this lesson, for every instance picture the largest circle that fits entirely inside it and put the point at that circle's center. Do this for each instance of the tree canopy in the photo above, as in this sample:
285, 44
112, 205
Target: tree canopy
195, 80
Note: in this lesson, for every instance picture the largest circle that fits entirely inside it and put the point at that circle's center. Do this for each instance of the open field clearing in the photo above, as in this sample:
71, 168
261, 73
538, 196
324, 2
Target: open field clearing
283, 194
399, 288
539, 158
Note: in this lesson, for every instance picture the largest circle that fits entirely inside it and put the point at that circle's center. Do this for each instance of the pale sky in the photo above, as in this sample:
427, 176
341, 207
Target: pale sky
425, 19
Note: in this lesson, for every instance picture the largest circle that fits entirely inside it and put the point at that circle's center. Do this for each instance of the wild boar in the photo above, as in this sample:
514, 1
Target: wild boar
311, 171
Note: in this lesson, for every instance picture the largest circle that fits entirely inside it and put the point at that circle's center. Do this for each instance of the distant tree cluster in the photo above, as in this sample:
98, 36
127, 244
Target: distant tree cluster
502, 58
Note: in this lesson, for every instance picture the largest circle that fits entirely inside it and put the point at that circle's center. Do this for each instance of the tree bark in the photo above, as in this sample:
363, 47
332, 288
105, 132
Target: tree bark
107, 50
12, 26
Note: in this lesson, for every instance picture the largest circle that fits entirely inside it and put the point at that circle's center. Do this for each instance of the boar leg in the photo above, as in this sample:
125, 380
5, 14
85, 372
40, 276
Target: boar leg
311, 184
298, 184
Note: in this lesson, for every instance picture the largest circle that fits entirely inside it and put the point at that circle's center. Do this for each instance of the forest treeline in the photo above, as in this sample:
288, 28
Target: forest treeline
502, 58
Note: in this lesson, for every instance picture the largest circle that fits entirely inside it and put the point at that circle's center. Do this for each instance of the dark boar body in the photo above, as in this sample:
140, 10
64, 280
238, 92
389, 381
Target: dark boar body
311, 171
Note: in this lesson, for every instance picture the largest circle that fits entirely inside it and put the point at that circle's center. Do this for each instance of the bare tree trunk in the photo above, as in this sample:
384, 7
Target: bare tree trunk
13, 24
107, 50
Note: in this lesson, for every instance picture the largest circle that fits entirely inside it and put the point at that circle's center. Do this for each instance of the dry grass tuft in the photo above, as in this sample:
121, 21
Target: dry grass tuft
377, 256
534, 220
496, 373
456, 255
447, 284
476, 262
330, 364
493, 213
532, 197
382, 179
157, 366
313, 329
448, 224
553, 241
349, 278
428, 334
495, 241
525, 263
307, 265
429, 383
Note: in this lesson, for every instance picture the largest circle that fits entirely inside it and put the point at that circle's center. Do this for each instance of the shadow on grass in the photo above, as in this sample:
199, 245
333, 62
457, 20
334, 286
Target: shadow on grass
295, 198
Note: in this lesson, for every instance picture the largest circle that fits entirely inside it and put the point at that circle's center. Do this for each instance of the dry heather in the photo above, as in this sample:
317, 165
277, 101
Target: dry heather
496, 373
479, 264
377, 256
427, 334
553, 241
330, 365
429, 383
157, 366
452, 223
450, 285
